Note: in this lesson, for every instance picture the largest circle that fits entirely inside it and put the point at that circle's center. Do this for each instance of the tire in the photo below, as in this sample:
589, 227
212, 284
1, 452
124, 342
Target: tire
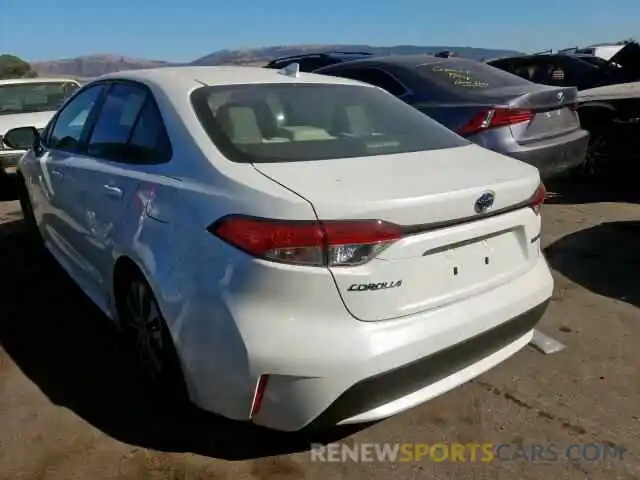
599, 156
26, 207
147, 339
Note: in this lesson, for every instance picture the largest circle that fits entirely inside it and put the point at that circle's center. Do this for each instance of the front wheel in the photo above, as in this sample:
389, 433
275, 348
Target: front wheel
599, 155
25, 205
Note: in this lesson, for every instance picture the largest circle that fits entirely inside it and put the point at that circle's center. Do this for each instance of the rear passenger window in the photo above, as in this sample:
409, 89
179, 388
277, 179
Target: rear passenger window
129, 128
115, 121
149, 142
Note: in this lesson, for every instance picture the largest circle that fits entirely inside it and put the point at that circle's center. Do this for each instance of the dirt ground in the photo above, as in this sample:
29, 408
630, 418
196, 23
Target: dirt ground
69, 408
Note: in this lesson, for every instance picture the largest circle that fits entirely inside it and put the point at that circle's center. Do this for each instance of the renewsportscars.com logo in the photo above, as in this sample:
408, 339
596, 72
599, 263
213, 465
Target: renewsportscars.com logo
466, 452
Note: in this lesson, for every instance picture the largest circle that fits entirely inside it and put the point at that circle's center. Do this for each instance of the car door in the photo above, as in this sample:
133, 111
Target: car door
127, 139
62, 148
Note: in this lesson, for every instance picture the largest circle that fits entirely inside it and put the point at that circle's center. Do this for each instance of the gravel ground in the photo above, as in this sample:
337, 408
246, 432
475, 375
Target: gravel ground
69, 408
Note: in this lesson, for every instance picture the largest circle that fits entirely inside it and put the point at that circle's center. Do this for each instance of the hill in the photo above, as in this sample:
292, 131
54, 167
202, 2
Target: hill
99, 64
93, 65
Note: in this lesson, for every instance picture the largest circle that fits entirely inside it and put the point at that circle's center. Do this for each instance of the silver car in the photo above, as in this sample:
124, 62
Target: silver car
500, 111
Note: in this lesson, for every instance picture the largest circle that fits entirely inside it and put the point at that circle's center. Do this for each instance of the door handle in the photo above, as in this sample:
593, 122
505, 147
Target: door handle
57, 173
112, 191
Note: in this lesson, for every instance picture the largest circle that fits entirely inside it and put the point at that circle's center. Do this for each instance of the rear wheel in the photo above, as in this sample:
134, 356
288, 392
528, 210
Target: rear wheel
147, 338
599, 155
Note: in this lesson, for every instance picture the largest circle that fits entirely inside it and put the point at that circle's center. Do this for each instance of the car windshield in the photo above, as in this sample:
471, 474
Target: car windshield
34, 96
467, 75
303, 122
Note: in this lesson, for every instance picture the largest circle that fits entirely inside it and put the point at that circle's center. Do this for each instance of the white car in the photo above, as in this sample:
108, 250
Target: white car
28, 102
297, 250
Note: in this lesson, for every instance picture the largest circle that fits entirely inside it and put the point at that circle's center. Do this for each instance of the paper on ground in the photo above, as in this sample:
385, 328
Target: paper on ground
545, 343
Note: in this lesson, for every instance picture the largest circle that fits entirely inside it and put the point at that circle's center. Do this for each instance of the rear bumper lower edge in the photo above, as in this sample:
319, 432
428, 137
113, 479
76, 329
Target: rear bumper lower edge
389, 386
558, 158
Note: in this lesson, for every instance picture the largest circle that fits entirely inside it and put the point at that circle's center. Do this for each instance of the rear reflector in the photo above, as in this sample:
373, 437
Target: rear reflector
494, 118
258, 395
537, 200
327, 243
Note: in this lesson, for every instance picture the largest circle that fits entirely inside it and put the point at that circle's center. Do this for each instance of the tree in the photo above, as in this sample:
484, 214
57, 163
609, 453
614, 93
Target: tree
14, 67
627, 41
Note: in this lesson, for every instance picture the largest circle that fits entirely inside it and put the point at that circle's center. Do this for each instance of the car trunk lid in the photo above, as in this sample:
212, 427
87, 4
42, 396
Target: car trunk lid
539, 112
449, 250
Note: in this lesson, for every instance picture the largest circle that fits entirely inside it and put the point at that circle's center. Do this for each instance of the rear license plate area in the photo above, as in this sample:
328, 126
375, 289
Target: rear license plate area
478, 260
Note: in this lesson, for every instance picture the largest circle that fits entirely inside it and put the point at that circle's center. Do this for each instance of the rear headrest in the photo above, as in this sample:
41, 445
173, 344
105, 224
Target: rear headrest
260, 111
352, 119
239, 123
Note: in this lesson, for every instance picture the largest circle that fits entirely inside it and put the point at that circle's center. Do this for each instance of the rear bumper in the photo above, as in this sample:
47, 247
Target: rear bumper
376, 392
327, 368
556, 156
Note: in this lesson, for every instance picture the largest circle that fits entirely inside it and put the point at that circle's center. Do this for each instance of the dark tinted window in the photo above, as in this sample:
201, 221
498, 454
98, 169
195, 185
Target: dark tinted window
376, 77
149, 142
467, 75
593, 60
129, 128
563, 70
298, 122
71, 121
506, 64
115, 121
526, 69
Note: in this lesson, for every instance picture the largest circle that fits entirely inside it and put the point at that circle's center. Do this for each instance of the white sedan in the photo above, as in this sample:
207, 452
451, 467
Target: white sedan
28, 102
289, 249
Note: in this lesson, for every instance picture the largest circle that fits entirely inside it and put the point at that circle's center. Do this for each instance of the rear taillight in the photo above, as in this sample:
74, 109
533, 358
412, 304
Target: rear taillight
496, 117
538, 198
329, 243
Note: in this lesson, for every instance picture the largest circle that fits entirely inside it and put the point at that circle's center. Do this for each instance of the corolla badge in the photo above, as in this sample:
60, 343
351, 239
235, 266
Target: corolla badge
484, 202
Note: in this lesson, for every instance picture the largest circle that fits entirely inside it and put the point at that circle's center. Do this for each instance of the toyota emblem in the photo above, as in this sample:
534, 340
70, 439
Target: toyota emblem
484, 202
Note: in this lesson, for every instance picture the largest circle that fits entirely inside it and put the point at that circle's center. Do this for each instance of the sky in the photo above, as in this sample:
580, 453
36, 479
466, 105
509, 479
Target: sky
183, 30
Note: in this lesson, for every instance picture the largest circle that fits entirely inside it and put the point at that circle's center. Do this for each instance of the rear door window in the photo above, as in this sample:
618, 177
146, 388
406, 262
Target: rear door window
129, 127
462, 75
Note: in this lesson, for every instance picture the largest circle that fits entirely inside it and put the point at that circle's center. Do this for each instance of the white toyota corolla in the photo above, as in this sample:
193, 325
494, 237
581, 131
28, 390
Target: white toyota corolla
292, 249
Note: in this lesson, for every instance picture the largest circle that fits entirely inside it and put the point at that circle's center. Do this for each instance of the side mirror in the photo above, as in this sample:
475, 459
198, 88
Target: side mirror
22, 138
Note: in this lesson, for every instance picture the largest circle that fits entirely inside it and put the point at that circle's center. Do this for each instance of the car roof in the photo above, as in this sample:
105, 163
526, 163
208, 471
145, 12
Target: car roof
337, 55
409, 61
184, 79
543, 56
21, 81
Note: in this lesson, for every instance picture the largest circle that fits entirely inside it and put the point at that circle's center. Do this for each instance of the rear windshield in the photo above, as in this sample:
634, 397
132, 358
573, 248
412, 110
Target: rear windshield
303, 122
593, 60
467, 75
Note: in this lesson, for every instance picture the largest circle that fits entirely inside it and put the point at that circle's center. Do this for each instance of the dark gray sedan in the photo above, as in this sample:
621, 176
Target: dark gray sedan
500, 111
